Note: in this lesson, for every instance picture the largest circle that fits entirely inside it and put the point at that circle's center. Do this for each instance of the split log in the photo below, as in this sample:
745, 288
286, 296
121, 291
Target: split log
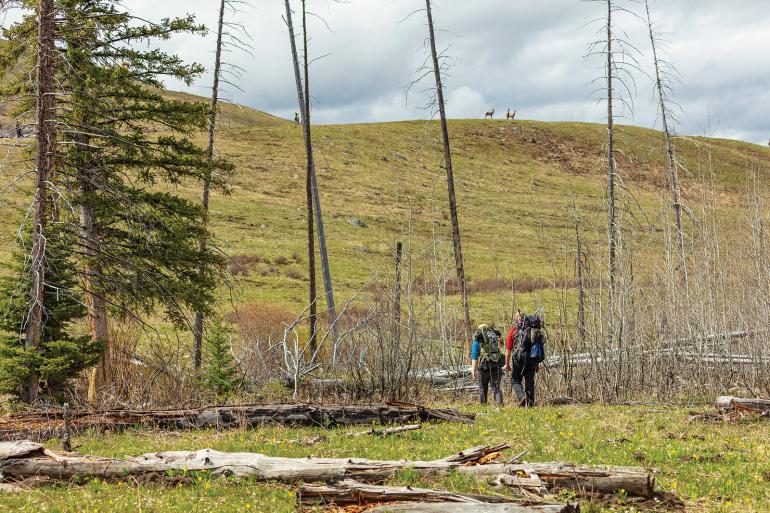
41, 426
349, 492
728, 403
30, 459
26, 459
636, 481
457, 507
389, 431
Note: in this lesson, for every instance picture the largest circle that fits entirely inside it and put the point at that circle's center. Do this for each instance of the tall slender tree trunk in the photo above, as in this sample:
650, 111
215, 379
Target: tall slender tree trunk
313, 318
580, 284
459, 266
673, 178
612, 228
199, 318
397, 299
46, 135
303, 101
99, 376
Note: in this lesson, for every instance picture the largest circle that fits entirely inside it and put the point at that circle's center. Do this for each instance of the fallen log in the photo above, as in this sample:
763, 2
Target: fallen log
455, 507
728, 403
636, 481
388, 431
350, 492
31, 459
44, 425
27, 459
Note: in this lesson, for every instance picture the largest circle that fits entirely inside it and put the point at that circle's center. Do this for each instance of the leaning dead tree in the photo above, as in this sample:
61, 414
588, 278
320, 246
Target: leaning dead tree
458, 251
198, 323
303, 99
46, 135
664, 73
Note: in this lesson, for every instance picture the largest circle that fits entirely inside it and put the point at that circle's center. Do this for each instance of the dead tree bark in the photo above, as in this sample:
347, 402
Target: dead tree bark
580, 284
42, 426
612, 228
459, 507
397, 300
199, 318
313, 313
46, 135
728, 403
459, 265
23, 459
350, 492
304, 102
672, 172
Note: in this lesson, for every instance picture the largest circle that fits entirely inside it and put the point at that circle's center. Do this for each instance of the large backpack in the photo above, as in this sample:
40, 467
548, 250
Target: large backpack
532, 338
489, 342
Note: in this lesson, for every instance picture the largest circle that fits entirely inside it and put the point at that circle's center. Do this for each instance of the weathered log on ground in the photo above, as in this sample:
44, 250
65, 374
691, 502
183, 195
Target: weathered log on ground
388, 431
728, 403
350, 492
30, 459
458, 507
41, 426
636, 481
26, 459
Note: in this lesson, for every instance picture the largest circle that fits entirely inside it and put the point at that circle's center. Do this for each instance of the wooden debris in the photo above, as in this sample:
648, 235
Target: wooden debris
388, 431
728, 403
636, 481
450, 507
28, 460
25, 459
44, 425
349, 492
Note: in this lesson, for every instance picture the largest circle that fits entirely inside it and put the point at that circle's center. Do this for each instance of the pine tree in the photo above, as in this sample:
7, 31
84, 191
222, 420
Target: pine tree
61, 354
221, 369
120, 137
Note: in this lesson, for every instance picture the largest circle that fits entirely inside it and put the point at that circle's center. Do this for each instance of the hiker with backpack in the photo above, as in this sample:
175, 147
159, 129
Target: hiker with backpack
487, 362
524, 352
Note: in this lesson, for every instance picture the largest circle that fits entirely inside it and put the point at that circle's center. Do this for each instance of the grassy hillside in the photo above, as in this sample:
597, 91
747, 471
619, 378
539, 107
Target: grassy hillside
516, 183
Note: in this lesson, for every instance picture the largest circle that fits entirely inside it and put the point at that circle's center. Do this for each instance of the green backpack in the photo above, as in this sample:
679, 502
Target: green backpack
489, 342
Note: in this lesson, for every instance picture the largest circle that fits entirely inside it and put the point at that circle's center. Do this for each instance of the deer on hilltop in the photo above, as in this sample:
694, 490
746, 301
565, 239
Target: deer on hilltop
491, 114
510, 115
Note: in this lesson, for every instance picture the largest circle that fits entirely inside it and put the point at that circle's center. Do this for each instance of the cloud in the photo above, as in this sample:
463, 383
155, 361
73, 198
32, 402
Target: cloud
528, 56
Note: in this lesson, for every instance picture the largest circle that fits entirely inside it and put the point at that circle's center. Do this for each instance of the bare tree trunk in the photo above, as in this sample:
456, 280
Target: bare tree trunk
397, 301
313, 314
673, 178
581, 288
99, 376
305, 112
199, 320
46, 135
612, 228
459, 266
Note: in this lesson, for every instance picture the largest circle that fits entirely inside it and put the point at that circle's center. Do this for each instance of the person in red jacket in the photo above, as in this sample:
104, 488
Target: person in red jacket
521, 368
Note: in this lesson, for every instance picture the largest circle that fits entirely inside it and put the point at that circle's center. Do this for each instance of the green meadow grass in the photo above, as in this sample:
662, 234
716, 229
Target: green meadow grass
713, 468
516, 183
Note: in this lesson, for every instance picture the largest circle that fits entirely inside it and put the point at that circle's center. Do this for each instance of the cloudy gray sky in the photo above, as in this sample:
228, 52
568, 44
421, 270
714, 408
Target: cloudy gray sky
523, 55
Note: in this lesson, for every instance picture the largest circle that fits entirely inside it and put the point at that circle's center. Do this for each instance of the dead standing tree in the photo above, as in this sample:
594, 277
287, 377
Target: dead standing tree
459, 265
304, 103
46, 135
618, 55
198, 324
664, 72
229, 34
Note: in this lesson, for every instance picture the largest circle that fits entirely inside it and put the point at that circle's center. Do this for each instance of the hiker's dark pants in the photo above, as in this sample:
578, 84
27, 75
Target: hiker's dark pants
522, 370
490, 375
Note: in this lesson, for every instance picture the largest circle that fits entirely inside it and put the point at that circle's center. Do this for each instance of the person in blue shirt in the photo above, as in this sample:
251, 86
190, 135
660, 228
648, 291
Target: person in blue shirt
487, 362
